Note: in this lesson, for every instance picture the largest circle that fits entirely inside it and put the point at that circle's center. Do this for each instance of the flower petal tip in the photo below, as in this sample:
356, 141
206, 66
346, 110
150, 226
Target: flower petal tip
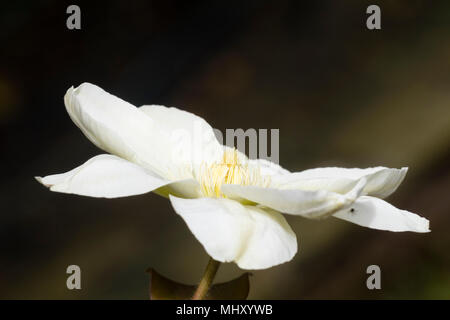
41, 181
404, 171
426, 226
422, 226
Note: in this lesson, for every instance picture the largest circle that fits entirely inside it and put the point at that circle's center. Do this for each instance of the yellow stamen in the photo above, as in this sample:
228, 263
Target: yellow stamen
229, 171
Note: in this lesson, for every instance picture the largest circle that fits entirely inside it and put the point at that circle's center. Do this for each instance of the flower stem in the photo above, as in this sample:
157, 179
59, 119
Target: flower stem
207, 279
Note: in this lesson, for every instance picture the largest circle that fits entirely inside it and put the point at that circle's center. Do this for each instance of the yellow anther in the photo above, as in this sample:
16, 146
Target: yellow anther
230, 171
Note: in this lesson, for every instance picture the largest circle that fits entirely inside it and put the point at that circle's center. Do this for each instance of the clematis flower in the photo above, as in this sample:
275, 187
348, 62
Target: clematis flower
233, 205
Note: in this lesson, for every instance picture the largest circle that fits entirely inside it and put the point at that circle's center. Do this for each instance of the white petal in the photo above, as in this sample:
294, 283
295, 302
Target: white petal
381, 181
268, 168
188, 188
310, 204
230, 231
105, 176
378, 214
120, 128
192, 138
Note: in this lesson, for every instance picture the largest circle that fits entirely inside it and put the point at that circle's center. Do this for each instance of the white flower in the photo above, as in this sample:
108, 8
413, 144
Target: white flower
231, 204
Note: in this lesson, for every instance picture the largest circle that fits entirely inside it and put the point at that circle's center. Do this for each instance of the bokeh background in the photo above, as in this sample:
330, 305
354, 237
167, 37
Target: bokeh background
340, 94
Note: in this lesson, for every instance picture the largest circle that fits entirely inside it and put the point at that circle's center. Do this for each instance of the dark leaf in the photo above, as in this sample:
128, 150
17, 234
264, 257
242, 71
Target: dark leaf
236, 289
162, 288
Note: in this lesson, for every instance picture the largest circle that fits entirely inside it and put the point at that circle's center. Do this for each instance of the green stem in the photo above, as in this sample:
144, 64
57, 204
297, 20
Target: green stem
207, 279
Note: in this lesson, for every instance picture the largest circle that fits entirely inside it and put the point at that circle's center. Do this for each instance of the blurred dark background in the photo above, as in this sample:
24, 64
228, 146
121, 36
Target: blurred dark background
340, 94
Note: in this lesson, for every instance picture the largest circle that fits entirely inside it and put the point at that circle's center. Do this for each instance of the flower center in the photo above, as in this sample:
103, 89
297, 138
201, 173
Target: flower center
229, 171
